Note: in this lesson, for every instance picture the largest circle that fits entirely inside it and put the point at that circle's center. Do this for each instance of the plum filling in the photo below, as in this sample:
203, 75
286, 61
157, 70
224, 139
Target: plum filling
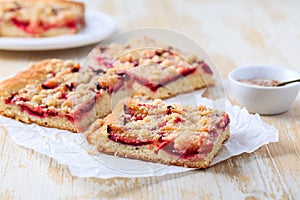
177, 120
165, 145
25, 25
12, 99
223, 123
189, 153
155, 86
118, 85
48, 86
123, 140
38, 111
79, 113
114, 135
9, 99
64, 96
205, 67
41, 113
71, 24
21, 24
169, 148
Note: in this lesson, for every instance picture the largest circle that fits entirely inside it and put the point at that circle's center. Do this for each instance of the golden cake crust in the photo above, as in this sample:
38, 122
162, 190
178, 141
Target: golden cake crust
166, 134
35, 73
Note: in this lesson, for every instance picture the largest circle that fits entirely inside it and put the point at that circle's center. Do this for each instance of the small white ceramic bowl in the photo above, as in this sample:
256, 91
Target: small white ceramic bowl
261, 99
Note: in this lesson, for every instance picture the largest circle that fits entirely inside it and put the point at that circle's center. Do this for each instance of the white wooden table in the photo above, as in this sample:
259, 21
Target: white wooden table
234, 33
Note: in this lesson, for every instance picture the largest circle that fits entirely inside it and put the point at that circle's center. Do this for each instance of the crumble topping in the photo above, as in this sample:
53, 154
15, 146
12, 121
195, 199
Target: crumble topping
185, 130
65, 90
70, 90
146, 61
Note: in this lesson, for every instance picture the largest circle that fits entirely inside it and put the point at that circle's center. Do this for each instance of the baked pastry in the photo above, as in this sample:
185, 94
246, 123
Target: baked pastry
157, 132
56, 94
64, 95
150, 69
40, 18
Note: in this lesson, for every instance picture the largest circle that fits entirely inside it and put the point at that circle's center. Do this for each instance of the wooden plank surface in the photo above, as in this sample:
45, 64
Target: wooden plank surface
234, 33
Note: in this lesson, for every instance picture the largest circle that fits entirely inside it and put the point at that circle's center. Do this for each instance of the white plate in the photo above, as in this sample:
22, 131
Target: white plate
98, 27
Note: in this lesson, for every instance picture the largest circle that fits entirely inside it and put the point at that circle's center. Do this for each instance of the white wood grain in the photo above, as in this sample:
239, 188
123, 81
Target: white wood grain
234, 33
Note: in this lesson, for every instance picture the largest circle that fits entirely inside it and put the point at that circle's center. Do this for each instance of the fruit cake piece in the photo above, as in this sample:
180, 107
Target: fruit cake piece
156, 132
151, 69
40, 18
52, 93
56, 94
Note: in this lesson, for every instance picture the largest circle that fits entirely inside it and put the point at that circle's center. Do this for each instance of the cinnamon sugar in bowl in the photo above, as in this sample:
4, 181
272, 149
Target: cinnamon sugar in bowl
254, 88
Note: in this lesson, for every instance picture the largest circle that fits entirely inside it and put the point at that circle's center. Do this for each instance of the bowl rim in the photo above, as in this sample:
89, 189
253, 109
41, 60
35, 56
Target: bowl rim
231, 79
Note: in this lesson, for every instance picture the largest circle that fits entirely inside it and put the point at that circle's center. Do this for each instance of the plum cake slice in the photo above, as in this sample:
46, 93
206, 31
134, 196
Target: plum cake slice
40, 18
54, 93
150, 69
157, 132
64, 95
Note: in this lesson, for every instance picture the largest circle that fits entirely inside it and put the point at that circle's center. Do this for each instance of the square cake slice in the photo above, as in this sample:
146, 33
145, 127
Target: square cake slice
54, 93
150, 69
169, 134
40, 18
